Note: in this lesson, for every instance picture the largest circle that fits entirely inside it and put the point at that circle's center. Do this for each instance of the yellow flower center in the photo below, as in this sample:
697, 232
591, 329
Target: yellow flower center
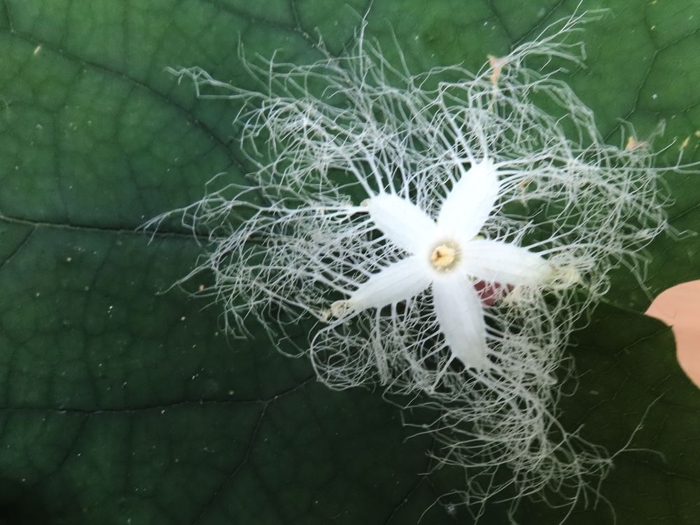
445, 256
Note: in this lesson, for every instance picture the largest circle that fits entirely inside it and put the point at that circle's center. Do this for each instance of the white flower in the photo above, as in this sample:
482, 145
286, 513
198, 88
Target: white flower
545, 211
448, 256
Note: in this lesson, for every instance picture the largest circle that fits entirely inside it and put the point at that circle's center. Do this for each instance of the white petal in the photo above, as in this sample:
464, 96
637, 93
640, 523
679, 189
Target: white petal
499, 262
404, 223
470, 202
460, 314
398, 282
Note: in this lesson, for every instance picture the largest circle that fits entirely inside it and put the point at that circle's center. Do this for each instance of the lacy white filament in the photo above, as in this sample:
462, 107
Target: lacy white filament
445, 236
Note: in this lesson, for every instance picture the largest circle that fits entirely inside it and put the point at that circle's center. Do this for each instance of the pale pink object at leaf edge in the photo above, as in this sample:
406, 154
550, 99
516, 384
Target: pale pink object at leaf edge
679, 307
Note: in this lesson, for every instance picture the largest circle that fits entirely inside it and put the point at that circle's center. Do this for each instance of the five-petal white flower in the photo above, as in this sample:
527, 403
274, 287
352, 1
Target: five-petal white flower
447, 256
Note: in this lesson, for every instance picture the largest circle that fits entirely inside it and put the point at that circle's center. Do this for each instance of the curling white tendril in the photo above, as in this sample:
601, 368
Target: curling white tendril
445, 235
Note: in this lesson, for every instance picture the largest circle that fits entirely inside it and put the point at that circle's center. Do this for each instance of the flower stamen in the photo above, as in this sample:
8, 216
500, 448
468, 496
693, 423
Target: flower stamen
445, 256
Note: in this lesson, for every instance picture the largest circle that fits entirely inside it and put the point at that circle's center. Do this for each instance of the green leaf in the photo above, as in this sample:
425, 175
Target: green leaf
121, 399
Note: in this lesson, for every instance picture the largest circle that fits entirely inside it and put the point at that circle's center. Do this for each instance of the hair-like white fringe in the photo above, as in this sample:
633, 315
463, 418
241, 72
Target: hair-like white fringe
297, 238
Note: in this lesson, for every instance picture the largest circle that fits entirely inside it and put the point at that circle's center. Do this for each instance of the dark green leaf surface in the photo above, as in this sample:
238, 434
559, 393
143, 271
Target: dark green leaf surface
121, 402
